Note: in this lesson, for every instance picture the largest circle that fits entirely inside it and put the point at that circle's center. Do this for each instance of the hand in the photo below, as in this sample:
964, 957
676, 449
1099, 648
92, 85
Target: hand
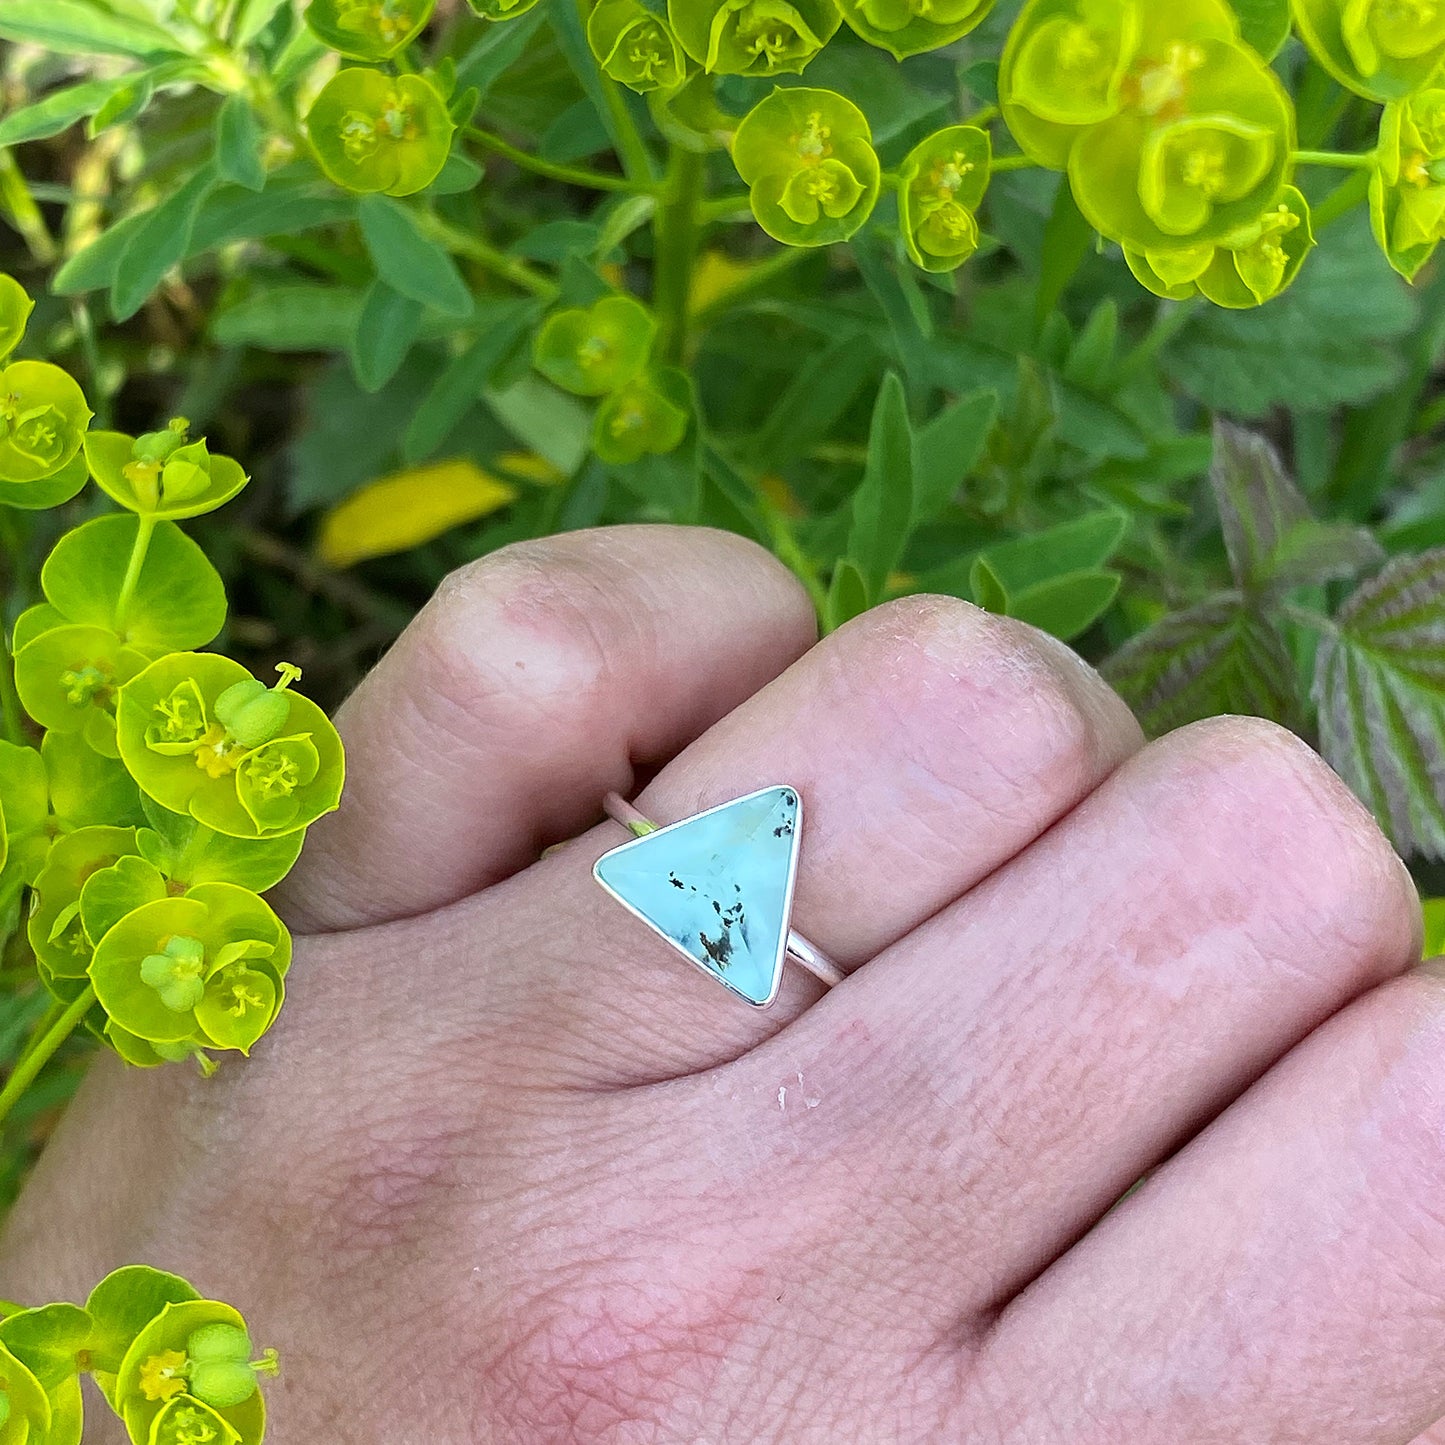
509, 1171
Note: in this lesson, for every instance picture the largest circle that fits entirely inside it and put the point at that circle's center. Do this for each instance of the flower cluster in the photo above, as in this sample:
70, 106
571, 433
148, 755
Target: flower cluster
171, 787
605, 350
1174, 133
177, 1369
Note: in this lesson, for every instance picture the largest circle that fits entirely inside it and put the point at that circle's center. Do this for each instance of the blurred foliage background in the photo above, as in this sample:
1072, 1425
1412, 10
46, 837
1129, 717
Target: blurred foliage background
1188, 494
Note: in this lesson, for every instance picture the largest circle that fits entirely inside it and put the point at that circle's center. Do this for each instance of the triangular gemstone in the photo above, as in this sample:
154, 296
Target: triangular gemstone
718, 887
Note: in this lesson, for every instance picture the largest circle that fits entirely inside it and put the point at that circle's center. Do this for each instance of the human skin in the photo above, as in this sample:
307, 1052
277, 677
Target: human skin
509, 1171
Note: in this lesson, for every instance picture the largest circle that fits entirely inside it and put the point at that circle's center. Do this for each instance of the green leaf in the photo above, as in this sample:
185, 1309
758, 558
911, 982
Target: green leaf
547, 421
1380, 686
386, 327
185, 851
1067, 239
48, 1340
1273, 542
59, 109
1332, 338
1083, 545
252, 17
158, 243
883, 502
1067, 606
987, 587
947, 449
291, 316
462, 383
409, 261
74, 27
1217, 657
847, 595
128, 101
178, 600
820, 392
238, 144
1264, 23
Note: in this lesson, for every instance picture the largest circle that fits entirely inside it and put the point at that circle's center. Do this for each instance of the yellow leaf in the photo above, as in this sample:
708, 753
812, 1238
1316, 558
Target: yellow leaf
408, 508
529, 467
1434, 927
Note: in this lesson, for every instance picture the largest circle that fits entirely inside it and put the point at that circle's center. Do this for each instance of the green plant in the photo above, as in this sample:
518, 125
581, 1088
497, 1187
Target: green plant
176, 1368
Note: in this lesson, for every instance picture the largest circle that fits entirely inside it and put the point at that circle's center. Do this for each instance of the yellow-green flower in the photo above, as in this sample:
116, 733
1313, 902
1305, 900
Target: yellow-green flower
941, 183
909, 27
1407, 188
375, 132
1382, 49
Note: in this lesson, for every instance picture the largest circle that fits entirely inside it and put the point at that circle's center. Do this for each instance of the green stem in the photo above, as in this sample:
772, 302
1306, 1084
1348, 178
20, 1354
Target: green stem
24, 213
489, 257
726, 208
631, 149
573, 175
677, 229
42, 1050
145, 530
1011, 163
12, 715
792, 556
1346, 160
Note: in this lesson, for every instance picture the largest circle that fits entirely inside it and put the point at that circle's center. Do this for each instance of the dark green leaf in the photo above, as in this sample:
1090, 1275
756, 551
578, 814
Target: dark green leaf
883, 503
386, 326
291, 316
1331, 338
1380, 686
1083, 545
460, 385
947, 449
820, 391
410, 261
1067, 239
1217, 657
238, 144
124, 105
159, 242
496, 48
1264, 23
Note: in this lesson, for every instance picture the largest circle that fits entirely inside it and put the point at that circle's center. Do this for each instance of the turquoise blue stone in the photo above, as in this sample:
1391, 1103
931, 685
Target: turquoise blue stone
718, 887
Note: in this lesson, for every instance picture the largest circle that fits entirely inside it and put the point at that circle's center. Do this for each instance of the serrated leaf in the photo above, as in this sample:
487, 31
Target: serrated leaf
1330, 339
883, 503
1273, 542
238, 144
385, 329
1217, 657
1380, 686
409, 261
76, 28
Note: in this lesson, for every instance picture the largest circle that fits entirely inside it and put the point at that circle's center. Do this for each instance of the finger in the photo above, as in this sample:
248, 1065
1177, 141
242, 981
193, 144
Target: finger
1098, 1000
928, 741
534, 681
1282, 1280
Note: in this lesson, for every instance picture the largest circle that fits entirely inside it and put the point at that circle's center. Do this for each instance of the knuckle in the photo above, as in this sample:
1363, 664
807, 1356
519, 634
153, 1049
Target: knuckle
1269, 802
979, 691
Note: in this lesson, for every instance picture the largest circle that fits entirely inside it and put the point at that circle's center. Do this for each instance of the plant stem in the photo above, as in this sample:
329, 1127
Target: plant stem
24, 213
12, 715
1347, 160
42, 1049
677, 229
489, 257
631, 149
145, 530
573, 175
726, 208
1011, 163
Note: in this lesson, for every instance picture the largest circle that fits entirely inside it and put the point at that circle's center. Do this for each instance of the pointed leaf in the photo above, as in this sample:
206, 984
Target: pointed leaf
1218, 657
1380, 686
238, 144
409, 261
946, 451
883, 503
